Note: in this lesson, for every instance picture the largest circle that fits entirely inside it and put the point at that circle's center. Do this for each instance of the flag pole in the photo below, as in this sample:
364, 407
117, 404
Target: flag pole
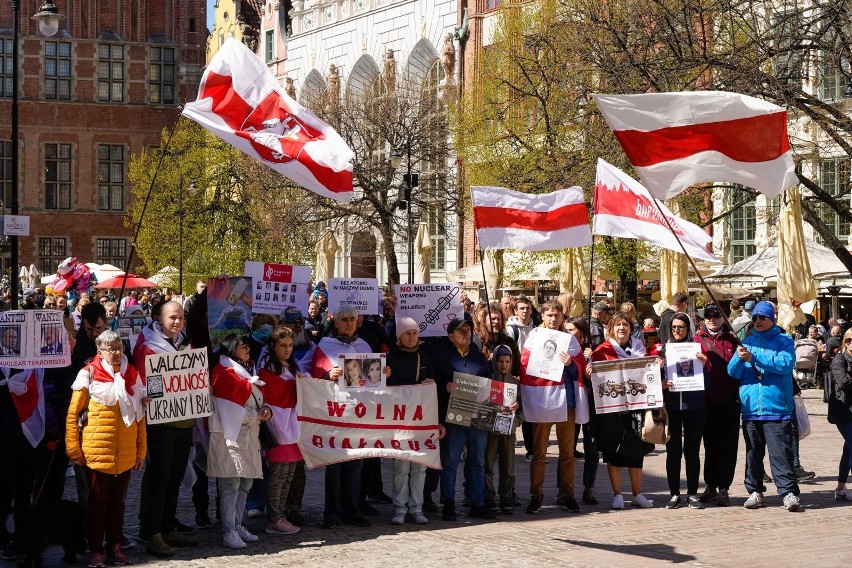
692, 262
145, 206
485, 285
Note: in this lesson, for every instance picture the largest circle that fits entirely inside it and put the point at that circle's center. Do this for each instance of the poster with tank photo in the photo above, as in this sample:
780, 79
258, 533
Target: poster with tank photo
228, 307
362, 370
280, 278
544, 347
482, 403
34, 338
683, 369
626, 384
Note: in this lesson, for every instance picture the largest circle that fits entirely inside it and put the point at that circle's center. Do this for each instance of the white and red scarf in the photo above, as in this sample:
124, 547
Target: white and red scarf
279, 392
232, 388
544, 400
327, 354
109, 388
26, 388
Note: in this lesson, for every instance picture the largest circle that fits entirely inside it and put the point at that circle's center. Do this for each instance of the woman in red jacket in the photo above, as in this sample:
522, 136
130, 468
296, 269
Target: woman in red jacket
617, 432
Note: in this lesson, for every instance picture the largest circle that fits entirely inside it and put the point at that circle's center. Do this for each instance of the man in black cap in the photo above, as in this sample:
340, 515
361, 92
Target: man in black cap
678, 305
600, 317
456, 354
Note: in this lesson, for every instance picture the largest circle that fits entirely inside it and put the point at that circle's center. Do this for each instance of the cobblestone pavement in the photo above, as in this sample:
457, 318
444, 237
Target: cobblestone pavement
733, 536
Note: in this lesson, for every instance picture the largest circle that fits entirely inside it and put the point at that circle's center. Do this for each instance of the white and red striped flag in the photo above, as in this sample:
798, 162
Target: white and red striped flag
507, 219
26, 388
624, 208
240, 101
675, 140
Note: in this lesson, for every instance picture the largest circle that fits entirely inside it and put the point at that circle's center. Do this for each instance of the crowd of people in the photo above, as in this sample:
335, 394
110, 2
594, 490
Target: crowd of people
95, 417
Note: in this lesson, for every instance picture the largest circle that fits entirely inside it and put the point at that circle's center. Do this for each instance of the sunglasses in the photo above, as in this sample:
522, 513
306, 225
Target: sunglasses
847, 340
759, 317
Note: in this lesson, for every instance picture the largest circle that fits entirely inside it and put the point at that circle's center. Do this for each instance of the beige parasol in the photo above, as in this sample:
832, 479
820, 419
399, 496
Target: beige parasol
574, 277
489, 262
673, 271
326, 248
795, 279
422, 254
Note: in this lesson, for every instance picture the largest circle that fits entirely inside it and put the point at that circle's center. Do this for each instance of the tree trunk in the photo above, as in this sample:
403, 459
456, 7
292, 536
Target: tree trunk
831, 240
390, 256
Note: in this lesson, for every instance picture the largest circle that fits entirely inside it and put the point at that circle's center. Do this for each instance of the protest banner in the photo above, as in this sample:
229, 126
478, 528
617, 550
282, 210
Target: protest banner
178, 384
482, 403
34, 339
544, 346
362, 370
277, 287
228, 307
128, 328
338, 425
432, 306
360, 293
626, 384
682, 367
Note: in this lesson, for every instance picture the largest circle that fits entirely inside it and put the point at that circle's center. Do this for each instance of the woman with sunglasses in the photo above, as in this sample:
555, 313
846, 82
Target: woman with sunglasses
234, 454
840, 411
617, 435
687, 416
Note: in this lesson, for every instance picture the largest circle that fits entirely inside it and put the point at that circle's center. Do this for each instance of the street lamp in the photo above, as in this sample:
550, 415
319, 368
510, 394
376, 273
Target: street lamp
48, 22
181, 214
411, 180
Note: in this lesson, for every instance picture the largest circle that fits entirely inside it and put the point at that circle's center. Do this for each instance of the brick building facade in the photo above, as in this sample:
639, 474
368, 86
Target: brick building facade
100, 90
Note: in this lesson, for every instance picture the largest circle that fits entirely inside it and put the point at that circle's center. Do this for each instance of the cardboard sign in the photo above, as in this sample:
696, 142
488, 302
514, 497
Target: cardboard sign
432, 306
228, 307
278, 286
683, 369
338, 425
544, 347
34, 339
178, 384
626, 384
360, 293
362, 370
482, 403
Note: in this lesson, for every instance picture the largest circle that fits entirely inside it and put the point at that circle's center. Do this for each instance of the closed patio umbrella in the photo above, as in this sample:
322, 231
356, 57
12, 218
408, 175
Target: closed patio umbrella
326, 249
422, 254
795, 279
574, 277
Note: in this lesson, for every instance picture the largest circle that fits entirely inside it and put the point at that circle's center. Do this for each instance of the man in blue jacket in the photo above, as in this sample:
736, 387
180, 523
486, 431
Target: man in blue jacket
763, 366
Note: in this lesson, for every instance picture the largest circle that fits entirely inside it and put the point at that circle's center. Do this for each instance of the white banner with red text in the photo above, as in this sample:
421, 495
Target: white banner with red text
339, 425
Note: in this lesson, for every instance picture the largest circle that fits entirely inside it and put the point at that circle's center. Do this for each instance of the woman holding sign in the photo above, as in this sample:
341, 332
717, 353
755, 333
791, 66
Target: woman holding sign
686, 410
617, 433
105, 432
234, 455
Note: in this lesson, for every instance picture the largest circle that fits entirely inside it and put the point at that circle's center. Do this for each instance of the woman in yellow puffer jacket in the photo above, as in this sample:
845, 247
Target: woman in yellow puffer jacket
113, 442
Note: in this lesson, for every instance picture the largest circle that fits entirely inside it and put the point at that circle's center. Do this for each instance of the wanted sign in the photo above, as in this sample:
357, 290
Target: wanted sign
432, 306
178, 385
33, 339
626, 384
360, 293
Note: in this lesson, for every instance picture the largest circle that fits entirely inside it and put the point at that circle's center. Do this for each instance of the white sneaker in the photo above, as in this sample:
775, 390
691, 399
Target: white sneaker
618, 501
791, 502
642, 501
420, 519
843, 495
232, 540
281, 526
254, 513
755, 501
245, 535
398, 519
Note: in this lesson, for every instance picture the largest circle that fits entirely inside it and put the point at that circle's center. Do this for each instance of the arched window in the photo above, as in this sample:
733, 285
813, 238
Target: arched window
312, 91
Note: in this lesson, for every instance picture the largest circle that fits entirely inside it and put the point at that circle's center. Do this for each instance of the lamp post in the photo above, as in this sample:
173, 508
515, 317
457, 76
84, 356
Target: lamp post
181, 214
48, 24
410, 181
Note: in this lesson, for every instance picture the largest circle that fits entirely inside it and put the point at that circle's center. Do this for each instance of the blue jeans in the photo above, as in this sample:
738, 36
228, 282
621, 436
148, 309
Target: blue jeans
233, 492
845, 465
453, 444
777, 437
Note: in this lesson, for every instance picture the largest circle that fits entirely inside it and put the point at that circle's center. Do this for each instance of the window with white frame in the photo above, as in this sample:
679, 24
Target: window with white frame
111, 166
742, 225
437, 222
269, 45
57, 176
57, 70
111, 73
834, 178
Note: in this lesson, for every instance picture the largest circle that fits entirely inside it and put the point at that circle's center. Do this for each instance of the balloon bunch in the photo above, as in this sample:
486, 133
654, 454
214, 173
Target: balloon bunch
72, 278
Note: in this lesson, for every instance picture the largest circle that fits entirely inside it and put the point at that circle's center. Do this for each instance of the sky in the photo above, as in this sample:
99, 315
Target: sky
210, 4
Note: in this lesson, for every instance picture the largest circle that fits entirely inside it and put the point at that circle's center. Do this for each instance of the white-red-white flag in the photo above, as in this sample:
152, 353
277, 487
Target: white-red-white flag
675, 140
624, 208
240, 101
507, 219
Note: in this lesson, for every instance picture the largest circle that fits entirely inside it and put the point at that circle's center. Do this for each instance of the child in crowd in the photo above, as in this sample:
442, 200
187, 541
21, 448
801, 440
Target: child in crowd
279, 390
501, 447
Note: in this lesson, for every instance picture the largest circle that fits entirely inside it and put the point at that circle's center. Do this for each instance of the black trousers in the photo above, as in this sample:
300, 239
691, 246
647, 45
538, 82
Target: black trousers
721, 442
343, 490
168, 453
686, 428
16, 480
